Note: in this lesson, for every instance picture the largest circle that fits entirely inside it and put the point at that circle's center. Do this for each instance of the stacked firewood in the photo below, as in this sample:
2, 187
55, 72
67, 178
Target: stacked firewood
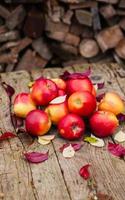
60, 32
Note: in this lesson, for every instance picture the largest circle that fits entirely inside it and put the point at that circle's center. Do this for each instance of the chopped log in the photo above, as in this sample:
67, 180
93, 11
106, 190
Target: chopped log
8, 36
10, 67
34, 24
122, 4
75, 62
55, 27
3, 29
72, 1
58, 36
86, 4
120, 48
16, 17
84, 17
72, 39
9, 45
109, 38
107, 11
67, 17
96, 19
87, 32
4, 12
109, 1
122, 23
76, 28
22, 44
120, 12
56, 15
69, 49
31, 60
88, 48
8, 58
42, 48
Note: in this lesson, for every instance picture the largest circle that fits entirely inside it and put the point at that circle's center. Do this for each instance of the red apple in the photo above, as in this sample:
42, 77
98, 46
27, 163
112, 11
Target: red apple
37, 123
23, 104
74, 85
103, 123
82, 103
71, 126
61, 84
57, 111
43, 91
61, 92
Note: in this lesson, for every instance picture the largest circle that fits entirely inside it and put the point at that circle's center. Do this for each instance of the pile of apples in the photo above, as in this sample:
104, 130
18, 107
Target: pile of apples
69, 103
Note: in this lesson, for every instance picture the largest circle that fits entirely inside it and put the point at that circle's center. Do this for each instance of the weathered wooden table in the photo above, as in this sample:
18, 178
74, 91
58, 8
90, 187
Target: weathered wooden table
57, 178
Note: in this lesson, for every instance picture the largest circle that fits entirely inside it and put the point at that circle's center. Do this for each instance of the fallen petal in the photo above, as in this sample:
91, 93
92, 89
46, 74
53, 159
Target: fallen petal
100, 85
7, 135
9, 89
47, 137
76, 146
43, 142
58, 100
116, 149
121, 117
84, 172
68, 152
36, 157
119, 136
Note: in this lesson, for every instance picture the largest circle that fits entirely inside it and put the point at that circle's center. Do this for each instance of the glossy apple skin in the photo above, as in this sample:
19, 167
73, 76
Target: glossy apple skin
82, 103
23, 104
37, 123
113, 103
103, 123
71, 127
61, 84
57, 111
61, 92
43, 91
74, 85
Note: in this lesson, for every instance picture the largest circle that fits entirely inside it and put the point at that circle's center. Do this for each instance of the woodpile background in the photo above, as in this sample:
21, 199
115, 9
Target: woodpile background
49, 33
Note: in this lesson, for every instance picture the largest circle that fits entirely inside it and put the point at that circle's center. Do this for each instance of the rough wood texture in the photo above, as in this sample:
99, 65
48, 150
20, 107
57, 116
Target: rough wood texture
58, 178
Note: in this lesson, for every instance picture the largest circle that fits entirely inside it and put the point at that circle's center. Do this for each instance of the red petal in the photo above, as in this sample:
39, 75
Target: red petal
66, 75
116, 149
84, 172
121, 117
7, 135
100, 96
100, 85
76, 146
9, 89
36, 157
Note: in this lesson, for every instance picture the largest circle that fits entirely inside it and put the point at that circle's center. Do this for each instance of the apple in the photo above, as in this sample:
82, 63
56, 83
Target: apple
71, 126
61, 84
61, 92
37, 123
112, 102
103, 123
57, 111
23, 104
82, 103
43, 91
74, 85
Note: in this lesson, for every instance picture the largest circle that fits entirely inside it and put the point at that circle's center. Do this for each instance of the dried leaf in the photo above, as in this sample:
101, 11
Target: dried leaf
77, 75
36, 157
84, 172
7, 135
121, 117
116, 149
58, 100
9, 89
100, 97
68, 152
119, 136
76, 146
90, 139
100, 85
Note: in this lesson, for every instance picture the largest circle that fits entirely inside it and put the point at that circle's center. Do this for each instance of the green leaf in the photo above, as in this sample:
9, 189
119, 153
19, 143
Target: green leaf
90, 139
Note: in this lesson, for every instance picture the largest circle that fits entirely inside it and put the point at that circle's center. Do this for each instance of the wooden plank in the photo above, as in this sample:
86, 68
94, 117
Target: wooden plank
45, 180
106, 169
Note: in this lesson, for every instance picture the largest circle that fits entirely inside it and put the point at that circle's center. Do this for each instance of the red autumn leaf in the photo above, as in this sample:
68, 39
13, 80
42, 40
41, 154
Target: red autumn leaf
67, 75
116, 149
84, 172
76, 146
36, 157
9, 89
100, 96
100, 85
7, 135
121, 117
